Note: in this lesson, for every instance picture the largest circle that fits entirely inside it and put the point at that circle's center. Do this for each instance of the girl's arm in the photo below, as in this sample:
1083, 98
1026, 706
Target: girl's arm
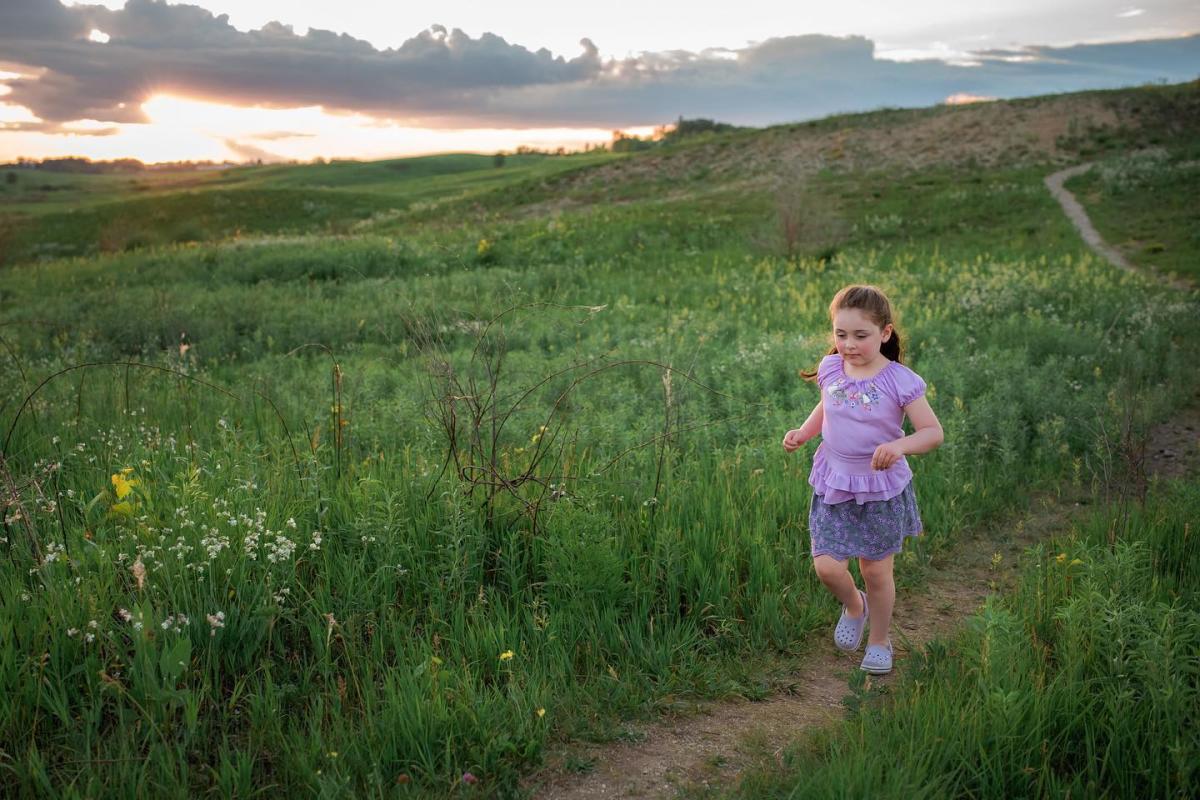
810, 428
927, 436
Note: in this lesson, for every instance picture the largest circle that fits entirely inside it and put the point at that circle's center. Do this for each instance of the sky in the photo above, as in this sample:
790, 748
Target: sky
299, 79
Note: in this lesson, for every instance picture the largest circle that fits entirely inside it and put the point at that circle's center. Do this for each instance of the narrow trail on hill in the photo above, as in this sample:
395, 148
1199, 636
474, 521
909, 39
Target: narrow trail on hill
1091, 236
714, 743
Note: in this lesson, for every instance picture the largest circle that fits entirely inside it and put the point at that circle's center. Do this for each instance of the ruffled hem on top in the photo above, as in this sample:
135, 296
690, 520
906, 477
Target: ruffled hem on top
837, 487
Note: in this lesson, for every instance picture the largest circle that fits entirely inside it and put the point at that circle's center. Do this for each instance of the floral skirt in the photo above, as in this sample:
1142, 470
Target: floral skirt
872, 530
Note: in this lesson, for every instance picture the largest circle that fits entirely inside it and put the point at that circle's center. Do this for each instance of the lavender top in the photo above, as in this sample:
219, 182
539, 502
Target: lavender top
861, 414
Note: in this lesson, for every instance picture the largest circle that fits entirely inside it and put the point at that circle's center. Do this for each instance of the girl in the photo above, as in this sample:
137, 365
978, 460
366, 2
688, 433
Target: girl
863, 503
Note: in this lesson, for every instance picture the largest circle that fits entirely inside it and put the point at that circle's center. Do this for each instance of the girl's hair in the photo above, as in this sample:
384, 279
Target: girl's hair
875, 305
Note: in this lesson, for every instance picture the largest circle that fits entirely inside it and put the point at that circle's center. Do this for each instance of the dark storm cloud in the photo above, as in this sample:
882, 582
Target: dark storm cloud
446, 78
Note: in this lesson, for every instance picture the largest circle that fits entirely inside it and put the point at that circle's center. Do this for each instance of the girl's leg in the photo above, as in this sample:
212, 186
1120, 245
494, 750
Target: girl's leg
836, 576
881, 594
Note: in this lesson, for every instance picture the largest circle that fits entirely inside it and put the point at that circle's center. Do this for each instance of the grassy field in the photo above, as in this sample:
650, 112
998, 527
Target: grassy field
241, 556
1082, 684
1147, 203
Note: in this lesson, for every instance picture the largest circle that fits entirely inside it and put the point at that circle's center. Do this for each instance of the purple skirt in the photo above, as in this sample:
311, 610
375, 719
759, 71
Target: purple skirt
873, 530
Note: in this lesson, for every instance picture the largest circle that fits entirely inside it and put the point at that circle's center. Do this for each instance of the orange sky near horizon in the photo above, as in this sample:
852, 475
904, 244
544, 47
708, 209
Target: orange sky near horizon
183, 129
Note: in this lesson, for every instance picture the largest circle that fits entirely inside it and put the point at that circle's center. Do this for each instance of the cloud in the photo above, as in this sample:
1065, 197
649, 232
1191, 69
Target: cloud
446, 78
248, 152
272, 136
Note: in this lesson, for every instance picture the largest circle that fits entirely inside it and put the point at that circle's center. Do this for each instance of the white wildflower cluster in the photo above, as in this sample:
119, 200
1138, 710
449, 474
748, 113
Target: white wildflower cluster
315, 544
181, 547
281, 597
280, 548
135, 620
366, 539
1001, 188
184, 516
89, 635
753, 354
880, 223
274, 545
215, 621
175, 622
1141, 166
213, 542
54, 550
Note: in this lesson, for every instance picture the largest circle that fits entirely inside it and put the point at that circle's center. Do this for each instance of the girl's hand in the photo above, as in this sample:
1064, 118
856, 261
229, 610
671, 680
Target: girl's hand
793, 439
885, 455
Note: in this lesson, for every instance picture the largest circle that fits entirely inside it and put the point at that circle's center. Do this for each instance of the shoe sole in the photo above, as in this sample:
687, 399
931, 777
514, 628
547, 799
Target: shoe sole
875, 670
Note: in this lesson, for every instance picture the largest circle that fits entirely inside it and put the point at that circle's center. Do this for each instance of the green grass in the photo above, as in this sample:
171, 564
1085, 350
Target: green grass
360, 650
1147, 204
49, 215
1083, 683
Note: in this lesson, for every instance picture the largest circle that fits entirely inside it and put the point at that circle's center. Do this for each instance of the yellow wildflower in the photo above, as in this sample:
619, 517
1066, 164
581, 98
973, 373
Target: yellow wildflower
1075, 561
1061, 557
123, 485
506, 655
541, 712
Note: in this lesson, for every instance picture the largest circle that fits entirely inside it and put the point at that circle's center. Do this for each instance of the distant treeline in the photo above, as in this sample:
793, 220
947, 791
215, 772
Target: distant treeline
621, 143
86, 165
666, 134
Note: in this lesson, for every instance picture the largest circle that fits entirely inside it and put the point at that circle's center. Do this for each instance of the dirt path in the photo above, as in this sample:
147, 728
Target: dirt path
717, 742
1091, 237
723, 737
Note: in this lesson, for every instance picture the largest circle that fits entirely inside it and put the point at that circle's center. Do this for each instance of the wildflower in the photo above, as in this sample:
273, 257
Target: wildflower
123, 485
72, 631
1075, 562
506, 655
124, 614
215, 621
139, 572
541, 712
469, 778
1061, 557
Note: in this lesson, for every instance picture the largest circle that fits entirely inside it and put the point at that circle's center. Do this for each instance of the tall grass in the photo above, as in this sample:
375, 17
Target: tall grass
1084, 683
278, 588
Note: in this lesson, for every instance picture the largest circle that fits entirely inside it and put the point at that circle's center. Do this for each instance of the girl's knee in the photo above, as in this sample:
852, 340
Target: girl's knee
875, 570
829, 567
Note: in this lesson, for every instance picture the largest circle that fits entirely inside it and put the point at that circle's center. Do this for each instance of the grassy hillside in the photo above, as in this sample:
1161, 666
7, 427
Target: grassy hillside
48, 215
357, 501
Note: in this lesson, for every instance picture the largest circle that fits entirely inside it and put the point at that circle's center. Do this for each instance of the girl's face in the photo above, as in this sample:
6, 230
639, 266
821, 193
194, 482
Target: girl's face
857, 337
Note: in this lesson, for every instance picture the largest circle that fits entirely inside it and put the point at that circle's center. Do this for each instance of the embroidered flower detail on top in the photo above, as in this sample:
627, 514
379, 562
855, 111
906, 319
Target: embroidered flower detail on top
867, 397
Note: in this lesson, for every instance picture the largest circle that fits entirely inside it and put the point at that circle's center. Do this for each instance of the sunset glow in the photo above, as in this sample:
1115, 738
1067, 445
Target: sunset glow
295, 80
183, 129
